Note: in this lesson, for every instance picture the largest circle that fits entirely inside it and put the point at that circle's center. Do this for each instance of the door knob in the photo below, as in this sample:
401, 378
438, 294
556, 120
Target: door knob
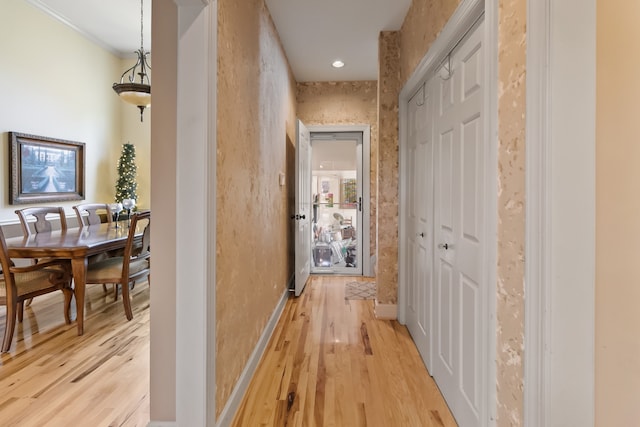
444, 246
420, 234
302, 217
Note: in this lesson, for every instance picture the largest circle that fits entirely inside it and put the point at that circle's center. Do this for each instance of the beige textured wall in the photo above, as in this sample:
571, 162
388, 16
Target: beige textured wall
256, 115
423, 23
511, 212
344, 103
617, 347
388, 90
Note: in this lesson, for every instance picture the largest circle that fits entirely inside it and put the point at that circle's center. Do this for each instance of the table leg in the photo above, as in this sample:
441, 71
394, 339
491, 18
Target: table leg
79, 267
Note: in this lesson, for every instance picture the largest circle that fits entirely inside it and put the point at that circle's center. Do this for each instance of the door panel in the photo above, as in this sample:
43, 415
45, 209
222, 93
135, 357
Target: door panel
471, 69
445, 181
420, 224
302, 214
444, 309
470, 321
471, 183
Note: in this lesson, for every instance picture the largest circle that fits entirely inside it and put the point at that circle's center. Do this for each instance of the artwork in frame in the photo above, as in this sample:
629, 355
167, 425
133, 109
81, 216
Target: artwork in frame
349, 193
43, 169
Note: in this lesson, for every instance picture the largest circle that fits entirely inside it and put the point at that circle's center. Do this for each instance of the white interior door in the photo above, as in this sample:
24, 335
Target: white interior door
460, 286
419, 234
302, 215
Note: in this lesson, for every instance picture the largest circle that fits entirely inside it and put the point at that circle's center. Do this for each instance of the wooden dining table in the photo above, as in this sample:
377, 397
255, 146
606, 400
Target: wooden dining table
75, 244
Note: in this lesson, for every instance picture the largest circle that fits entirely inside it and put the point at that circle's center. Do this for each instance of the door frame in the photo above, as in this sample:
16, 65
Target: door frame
366, 184
317, 139
560, 209
182, 331
461, 21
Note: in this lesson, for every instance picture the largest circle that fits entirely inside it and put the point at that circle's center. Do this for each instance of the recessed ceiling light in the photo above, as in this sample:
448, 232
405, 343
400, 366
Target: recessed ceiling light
337, 64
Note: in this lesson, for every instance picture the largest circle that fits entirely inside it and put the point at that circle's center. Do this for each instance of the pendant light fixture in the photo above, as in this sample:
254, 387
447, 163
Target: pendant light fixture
138, 94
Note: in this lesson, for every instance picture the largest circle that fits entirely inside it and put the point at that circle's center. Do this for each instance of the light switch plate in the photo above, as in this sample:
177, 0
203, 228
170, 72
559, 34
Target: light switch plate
281, 179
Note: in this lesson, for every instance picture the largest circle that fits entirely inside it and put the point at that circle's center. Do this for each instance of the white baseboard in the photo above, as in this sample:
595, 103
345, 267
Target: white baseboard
385, 311
229, 411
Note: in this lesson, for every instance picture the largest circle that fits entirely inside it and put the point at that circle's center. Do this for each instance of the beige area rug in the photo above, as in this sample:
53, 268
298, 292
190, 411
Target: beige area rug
360, 290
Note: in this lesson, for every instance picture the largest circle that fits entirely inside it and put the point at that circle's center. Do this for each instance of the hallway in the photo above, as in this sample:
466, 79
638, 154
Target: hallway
330, 362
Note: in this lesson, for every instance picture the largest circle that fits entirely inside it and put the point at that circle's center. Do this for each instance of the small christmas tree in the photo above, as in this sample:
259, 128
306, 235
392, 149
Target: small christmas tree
126, 186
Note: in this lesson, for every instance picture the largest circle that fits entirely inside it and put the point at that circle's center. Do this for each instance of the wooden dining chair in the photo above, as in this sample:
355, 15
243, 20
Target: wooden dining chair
43, 219
18, 284
133, 265
93, 213
90, 214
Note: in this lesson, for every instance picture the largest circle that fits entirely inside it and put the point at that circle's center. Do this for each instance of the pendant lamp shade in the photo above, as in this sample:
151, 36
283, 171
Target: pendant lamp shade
137, 93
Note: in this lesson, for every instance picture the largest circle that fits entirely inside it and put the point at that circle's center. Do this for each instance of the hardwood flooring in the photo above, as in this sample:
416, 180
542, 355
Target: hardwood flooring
53, 377
331, 363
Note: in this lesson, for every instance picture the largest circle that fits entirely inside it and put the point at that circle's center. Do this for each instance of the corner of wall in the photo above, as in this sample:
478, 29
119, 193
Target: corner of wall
385, 311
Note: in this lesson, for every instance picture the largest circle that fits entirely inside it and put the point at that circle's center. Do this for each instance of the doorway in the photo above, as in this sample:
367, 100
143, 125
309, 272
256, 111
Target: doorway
339, 196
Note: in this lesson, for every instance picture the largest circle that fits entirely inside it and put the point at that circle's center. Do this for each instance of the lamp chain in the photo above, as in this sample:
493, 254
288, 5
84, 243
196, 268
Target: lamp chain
141, 24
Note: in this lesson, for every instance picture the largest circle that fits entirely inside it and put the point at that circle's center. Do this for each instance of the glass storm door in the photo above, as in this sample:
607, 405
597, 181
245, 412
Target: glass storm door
336, 191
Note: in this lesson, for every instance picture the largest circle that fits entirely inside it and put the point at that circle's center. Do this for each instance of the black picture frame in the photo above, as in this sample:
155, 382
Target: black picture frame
43, 169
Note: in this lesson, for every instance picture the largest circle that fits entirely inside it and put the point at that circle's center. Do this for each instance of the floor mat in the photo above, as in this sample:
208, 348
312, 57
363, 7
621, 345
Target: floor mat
360, 290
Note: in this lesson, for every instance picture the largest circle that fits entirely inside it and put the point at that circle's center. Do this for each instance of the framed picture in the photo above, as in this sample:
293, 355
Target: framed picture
43, 169
349, 193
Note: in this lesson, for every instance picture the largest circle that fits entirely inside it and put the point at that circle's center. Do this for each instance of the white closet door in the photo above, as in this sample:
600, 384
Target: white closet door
459, 235
420, 222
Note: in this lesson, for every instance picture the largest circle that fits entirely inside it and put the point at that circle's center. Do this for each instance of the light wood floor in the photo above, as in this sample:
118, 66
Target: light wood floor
52, 377
331, 363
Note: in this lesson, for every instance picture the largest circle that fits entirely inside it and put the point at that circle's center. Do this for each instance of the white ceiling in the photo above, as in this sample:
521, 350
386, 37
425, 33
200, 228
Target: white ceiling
112, 24
313, 32
316, 32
